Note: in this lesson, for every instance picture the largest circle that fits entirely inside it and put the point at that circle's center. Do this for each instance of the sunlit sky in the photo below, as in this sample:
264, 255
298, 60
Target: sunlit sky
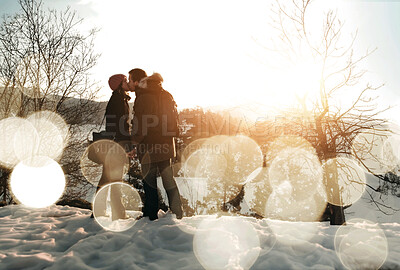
207, 53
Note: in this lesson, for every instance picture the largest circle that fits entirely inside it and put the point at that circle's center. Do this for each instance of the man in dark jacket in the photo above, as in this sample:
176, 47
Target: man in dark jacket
155, 147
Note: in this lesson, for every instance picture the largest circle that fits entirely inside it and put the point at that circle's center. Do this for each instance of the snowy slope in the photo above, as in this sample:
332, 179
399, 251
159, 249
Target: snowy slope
62, 237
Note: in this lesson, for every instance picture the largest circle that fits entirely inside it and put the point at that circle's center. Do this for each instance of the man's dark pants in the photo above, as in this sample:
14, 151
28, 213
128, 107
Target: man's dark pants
150, 188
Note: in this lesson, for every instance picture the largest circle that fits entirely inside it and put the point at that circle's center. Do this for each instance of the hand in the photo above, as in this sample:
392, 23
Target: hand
132, 154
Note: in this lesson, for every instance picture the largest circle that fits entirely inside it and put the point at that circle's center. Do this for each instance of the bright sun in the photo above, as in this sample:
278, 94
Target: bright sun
300, 81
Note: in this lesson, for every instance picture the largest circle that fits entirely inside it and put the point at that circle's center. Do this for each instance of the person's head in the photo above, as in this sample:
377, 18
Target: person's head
118, 82
152, 82
135, 75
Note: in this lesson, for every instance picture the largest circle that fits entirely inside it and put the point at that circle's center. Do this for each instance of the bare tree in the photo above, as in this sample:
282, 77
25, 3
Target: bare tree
45, 64
334, 128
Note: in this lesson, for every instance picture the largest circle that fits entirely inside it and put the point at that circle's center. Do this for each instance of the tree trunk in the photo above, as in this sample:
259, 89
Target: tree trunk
336, 215
4, 176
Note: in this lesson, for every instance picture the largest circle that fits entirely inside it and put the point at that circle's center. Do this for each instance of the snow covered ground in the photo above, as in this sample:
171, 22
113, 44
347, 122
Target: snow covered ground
62, 237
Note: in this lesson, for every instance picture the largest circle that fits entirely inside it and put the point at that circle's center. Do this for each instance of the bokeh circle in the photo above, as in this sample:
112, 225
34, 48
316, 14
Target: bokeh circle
37, 182
117, 207
226, 243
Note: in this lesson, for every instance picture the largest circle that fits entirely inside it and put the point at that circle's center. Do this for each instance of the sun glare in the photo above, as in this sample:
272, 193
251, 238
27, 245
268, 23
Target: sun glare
298, 82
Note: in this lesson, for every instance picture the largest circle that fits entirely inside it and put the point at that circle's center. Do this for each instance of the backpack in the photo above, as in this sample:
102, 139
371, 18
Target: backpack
168, 115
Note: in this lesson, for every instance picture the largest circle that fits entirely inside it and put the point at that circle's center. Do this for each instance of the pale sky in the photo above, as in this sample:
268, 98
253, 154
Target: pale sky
206, 51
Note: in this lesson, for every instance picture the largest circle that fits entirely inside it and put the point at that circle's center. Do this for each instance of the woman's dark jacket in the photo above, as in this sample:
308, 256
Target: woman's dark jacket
117, 116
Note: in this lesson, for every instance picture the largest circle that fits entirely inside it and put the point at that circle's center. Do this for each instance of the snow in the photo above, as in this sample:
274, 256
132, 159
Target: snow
119, 225
63, 237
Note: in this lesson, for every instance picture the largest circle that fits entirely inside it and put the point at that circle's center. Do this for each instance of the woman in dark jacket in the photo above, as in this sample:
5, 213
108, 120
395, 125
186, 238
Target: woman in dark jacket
117, 111
115, 158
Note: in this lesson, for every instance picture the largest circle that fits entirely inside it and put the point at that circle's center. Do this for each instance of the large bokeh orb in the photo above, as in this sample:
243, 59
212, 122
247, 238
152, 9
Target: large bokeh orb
345, 181
104, 153
226, 243
297, 169
37, 182
117, 206
361, 244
